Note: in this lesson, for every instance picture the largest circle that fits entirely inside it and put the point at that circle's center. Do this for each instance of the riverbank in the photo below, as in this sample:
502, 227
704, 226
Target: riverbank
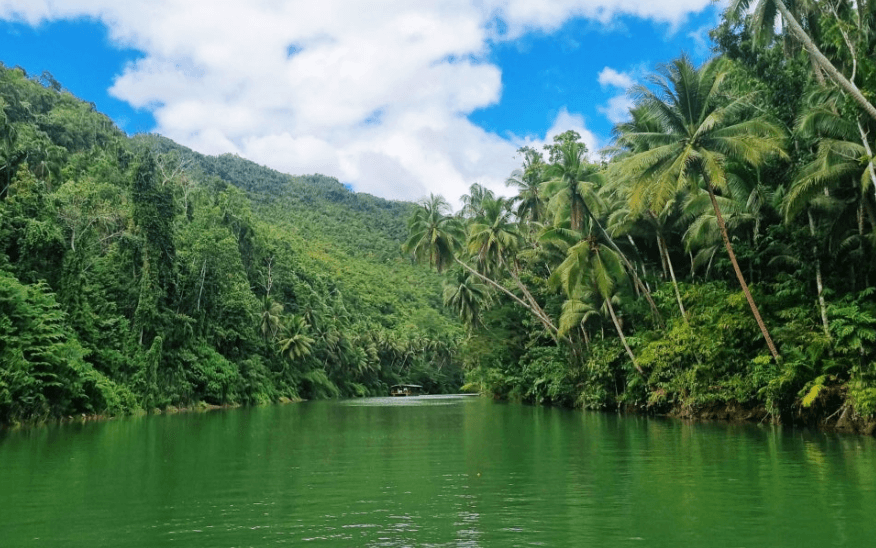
826, 417
200, 407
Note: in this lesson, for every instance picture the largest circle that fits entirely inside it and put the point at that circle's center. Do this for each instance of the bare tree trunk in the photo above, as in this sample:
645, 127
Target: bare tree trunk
621, 335
201, 288
739, 276
818, 280
824, 62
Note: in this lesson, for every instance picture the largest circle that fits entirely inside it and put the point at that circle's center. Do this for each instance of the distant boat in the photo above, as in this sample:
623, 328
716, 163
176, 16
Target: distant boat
405, 390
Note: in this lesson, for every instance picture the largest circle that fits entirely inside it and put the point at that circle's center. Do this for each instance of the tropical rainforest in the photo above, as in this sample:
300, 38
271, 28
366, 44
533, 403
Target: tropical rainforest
715, 261
717, 256
136, 274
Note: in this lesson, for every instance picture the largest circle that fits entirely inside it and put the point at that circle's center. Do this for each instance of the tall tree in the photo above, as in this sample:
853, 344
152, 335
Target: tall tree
765, 14
597, 270
572, 182
703, 129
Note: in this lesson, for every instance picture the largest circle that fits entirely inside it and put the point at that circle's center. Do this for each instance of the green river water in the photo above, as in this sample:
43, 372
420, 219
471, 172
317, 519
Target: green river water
430, 472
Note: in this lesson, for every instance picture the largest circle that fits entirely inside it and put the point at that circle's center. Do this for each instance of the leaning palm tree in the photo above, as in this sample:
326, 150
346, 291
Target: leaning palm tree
702, 129
436, 236
765, 12
493, 241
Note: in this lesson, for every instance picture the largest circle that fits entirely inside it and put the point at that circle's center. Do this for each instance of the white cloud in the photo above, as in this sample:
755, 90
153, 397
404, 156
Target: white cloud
548, 15
617, 108
610, 77
376, 93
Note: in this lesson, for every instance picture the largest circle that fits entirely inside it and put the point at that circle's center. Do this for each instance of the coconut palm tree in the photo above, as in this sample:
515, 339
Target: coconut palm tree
598, 270
530, 202
765, 12
572, 182
493, 241
703, 129
472, 203
435, 235
468, 296
297, 342
270, 318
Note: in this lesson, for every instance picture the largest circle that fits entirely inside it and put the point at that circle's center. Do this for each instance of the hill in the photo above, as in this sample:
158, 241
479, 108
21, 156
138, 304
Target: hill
137, 274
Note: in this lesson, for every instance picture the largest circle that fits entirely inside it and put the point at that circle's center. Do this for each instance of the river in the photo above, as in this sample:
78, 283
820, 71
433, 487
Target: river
432, 472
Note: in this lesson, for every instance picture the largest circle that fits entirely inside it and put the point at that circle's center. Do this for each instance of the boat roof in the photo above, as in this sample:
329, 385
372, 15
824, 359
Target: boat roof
406, 386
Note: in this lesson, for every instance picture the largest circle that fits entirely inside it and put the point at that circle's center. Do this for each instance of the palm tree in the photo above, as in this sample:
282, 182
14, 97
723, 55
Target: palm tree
467, 296
472, 203
765, 14
528, 181
570, 179
702, 131
840, 159
493, 235
297, 342
493, 239
572, 182
658, 220
270, 319
434, 234
595, 269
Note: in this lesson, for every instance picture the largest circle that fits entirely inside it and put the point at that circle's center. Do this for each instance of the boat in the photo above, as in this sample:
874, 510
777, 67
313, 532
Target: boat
405, 390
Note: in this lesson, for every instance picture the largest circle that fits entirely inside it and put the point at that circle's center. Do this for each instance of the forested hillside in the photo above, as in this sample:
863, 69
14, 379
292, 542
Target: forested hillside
718, 261
136, 274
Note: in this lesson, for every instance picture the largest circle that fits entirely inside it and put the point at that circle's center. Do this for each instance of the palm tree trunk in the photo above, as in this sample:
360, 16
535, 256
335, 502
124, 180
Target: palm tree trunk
662, 257
870, 170
537, 312
629, 266
739, 276
620, 334
665, 251
818, 280
824, 62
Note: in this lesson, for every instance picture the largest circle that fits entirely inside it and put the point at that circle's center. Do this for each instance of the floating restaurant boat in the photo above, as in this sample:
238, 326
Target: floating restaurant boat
405, 390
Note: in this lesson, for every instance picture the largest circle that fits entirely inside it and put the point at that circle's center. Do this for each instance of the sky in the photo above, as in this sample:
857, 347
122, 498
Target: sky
395, 98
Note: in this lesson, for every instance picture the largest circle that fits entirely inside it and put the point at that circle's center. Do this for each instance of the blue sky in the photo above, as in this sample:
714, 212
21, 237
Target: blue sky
395, 100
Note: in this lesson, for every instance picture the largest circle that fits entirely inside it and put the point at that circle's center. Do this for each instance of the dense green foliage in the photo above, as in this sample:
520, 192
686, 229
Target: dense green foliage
720, 255
137, 274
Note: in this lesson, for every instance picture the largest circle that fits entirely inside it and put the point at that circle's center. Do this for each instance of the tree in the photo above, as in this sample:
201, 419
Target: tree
530, 201
597, 270
702, 130
466, 295
765, 13
434, 235
573, 181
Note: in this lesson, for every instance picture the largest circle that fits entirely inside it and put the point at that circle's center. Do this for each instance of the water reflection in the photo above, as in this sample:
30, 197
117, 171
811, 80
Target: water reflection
432, 471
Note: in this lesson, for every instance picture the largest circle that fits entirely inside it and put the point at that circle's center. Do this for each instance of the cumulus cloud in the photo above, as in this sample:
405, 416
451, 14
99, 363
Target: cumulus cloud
617, 108
375, 93
610, 77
